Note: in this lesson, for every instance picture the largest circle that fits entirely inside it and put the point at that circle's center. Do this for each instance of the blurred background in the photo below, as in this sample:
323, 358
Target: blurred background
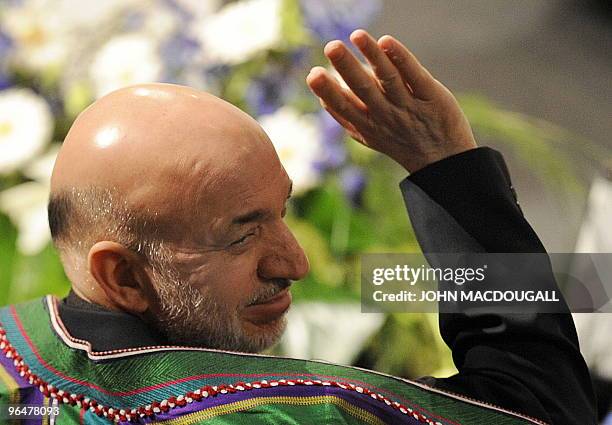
532, 76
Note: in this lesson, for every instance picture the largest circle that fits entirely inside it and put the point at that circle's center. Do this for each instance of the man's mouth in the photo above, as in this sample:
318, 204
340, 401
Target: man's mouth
270, 309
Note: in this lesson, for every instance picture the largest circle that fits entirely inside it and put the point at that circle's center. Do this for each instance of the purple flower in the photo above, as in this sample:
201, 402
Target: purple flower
264, 95
331, 130
334, 151
180, 10
275, 88
5, 81
178, 52
6, 44
330, 19
353, 182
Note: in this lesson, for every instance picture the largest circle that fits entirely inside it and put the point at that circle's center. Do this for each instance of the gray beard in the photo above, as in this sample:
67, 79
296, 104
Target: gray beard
190, 318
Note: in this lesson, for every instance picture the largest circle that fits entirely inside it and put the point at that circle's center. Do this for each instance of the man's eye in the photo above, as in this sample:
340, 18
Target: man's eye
242, 239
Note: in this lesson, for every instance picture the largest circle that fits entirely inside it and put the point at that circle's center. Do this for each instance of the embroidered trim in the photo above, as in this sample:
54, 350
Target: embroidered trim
242, 405
150, 410
11, 385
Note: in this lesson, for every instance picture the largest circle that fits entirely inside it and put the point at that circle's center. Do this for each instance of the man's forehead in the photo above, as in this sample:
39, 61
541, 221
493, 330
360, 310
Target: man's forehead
255, 214
242, 192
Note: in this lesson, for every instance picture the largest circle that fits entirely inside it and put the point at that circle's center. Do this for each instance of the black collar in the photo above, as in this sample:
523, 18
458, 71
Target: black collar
105, 329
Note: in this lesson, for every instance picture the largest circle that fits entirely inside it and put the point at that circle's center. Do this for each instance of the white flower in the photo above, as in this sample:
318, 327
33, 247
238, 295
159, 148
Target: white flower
26, 206
26, 125
159, 22
309, 335
297, 140
38, 33
76, 15
125, 60
240, 30
41, 168
47, 32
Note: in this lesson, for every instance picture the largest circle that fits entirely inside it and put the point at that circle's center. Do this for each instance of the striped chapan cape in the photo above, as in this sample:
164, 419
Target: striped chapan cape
42, 364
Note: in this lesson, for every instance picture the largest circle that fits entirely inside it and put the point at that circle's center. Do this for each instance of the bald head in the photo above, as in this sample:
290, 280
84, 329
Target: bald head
138, 162
139, 137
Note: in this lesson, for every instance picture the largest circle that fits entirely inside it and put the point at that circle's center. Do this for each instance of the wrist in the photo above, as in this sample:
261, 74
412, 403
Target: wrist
415, 163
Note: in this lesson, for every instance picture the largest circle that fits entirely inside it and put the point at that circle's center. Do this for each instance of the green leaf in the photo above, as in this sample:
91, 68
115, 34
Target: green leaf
78, 96
384, 203
8, 236
407, 345
294, 32
325, 269
537, 143
38, 275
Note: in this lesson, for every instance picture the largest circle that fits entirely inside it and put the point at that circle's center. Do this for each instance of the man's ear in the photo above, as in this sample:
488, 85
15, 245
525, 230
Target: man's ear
121, 274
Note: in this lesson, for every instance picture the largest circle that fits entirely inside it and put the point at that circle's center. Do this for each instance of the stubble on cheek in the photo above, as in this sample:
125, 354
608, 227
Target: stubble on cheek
199, 319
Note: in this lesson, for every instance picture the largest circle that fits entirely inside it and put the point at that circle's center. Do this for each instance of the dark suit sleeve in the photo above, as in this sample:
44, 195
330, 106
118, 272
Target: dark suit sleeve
529, 363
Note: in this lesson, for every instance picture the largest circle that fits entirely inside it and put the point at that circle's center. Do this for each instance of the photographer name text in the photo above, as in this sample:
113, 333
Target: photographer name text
466, 296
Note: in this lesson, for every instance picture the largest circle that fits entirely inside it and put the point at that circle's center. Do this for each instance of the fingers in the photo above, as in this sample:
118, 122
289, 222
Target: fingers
350, 128
353, 73
391, 81
412, 72
336, 100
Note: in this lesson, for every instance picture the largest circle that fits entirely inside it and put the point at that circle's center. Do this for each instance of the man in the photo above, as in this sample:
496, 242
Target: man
167, 209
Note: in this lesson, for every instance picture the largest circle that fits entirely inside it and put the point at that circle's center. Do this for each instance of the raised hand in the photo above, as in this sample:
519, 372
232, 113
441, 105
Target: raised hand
399, 109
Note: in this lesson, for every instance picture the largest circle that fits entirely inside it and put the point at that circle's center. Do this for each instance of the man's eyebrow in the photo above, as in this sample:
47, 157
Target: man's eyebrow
256, 215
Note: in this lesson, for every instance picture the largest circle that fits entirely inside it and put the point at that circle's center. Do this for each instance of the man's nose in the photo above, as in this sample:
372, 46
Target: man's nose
285, 258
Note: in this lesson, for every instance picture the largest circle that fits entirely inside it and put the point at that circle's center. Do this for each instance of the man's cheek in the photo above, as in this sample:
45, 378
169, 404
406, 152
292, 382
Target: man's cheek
238, 288
230, 279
